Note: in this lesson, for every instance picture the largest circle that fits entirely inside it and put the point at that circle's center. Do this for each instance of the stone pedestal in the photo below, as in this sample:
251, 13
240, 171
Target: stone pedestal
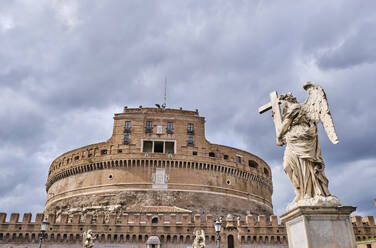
319, 227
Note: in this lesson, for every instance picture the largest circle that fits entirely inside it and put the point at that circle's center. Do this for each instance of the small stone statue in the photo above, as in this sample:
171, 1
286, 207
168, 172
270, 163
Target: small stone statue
297, 129
199, 241
88, 239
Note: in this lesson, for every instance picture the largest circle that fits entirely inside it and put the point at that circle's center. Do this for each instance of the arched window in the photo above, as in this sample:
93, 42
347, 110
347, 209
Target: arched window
154, 220
252, 164
212, 154
266, 172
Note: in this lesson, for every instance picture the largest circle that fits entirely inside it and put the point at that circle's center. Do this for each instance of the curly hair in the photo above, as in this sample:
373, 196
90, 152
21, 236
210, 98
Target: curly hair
288, 97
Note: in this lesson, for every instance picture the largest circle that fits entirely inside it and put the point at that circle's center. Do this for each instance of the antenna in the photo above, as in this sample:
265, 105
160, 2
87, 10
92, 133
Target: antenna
165, 94
165, 97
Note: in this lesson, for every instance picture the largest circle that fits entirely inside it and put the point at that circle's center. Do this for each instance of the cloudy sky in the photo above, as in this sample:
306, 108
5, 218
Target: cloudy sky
67, 66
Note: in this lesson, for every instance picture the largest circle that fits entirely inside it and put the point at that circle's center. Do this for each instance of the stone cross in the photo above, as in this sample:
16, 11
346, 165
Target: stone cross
276, 111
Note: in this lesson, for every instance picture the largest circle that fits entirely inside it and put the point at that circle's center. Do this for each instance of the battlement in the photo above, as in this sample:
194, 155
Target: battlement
364, 228
137, 227
144, 219
175, 228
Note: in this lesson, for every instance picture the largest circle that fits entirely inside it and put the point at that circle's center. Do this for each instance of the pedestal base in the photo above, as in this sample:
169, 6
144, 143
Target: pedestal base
319, 227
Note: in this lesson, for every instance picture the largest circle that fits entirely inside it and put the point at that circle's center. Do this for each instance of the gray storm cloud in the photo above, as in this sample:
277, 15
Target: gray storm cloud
67, 66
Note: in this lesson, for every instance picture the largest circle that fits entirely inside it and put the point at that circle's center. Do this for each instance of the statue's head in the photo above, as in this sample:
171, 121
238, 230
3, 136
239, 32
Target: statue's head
288, 98
309, 85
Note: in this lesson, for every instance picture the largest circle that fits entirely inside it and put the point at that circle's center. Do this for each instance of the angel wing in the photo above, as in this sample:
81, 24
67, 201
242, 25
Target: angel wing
317, 109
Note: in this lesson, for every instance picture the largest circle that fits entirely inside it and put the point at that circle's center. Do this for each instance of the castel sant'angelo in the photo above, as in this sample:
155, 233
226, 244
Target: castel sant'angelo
157, 177
159, 159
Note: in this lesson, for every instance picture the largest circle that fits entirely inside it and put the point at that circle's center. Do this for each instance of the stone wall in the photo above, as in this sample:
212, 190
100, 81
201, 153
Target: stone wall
174, 230
133, 230
115, 175
364, 228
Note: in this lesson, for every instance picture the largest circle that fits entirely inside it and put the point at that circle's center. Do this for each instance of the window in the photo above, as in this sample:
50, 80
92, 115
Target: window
252, 164
212, 154
126, 139
103, 152
76, 158
170, 147
149, 124
149, 127
148, 146
190, 141
170, 127
194, 153
158, 146
120, 150
266, 172
225, 157
127, 127
190, 128
128, 124
239, 159
154, 220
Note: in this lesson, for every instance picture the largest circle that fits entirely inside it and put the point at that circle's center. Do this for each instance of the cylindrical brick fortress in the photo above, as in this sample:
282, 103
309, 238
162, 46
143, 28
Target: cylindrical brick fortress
159, 157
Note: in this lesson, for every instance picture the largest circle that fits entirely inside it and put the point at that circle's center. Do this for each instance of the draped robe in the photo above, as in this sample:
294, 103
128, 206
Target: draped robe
302, 159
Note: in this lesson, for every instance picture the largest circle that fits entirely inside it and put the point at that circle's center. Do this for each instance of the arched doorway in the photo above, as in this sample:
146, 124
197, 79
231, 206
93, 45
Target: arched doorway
230, 241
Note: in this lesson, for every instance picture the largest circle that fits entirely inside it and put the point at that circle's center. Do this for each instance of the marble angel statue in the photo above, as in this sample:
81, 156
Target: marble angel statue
88, 239
199, 241
296, 128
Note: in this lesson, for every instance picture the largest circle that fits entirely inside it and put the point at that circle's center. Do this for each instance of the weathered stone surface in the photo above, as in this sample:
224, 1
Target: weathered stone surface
132, 229
109, 177
323, 201
199, 241
320, 227
126, 201
88, 239
297, 129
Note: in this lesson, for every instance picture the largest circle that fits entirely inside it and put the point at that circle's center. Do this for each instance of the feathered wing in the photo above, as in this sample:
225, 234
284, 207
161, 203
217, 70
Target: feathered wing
316, 108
